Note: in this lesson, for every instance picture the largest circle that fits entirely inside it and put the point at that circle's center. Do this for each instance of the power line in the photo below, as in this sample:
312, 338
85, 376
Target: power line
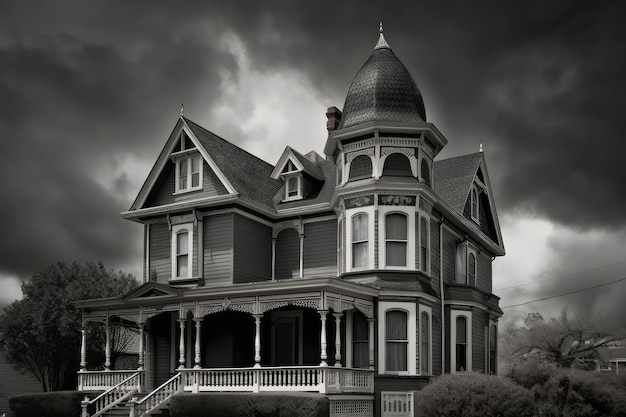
560, 276
565, 293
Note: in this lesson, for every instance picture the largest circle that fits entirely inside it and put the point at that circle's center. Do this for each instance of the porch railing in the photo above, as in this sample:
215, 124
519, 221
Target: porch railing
297, 378
102, 380
110, 398
157, 398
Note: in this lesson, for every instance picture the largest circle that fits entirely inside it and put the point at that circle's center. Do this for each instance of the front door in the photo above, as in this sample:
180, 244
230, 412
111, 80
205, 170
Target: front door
286, 338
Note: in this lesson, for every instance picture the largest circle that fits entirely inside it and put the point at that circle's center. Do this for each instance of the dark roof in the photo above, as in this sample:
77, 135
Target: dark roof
383, 90
322, 194
248, 174
453, 178
309, 166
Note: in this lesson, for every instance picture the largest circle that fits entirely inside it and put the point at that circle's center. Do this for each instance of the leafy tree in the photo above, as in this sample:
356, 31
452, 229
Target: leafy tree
42, 330
567, 341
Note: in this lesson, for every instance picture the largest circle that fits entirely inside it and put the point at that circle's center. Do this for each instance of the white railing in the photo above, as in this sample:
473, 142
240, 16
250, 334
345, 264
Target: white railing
113, 396
157, 398
101, 380
296, 378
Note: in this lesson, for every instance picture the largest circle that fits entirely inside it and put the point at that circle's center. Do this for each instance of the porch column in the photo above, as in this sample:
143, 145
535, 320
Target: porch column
257, 340
197, 358
338, 338
323, 355
83, 349
107, 345
181, 344
370, 339
140, 360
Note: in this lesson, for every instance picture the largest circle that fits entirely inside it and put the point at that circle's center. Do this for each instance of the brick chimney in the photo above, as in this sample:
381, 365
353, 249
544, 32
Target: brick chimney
333, 114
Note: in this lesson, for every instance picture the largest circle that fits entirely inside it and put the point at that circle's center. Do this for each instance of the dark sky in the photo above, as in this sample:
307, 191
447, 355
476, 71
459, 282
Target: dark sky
90, 91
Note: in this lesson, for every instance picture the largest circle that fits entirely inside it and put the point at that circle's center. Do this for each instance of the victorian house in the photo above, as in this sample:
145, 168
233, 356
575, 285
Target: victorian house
359, 274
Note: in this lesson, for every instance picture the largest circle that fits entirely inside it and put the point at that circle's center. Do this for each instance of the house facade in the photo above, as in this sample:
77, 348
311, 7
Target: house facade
359, 274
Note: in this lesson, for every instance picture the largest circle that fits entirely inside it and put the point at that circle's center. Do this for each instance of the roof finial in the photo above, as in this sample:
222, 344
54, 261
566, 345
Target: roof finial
382, 43
182, 107
481, 146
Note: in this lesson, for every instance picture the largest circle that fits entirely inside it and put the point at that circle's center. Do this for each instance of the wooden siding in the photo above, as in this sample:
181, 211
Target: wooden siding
484, 275
163, 190
252, 257
479, 323
287, 254
13, 382
320, 248
434, 255
160, 252
218, 249
449, 256
436, 339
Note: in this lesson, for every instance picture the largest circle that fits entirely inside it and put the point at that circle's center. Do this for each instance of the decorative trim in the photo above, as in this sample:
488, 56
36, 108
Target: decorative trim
314, 303
408, 152
226, 305
367, 152
425, 205
396, 200
361, 201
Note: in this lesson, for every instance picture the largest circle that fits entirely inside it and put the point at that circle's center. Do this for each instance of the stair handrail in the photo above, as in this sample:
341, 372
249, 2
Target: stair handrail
157, 397
111, 394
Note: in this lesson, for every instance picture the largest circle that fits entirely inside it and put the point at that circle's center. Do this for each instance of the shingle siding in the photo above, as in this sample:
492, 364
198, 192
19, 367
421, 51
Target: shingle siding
13, 382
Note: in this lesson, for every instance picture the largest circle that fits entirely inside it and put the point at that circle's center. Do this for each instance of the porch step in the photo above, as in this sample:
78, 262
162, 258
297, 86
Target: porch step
123, 411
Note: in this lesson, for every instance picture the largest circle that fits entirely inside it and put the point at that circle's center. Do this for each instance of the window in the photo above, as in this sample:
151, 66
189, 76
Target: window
397, 165
474, 204
461, 344
493, 348
182, 254
360, 343
423, 261
396, 342
471, 269
396, 239
188, 173
360, 241
340, 244
425, 343
293, 187
339, 171
360, 167
460, 340
425, 172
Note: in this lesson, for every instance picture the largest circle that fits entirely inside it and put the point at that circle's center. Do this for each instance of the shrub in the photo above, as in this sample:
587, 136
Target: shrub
473, 394
47, 404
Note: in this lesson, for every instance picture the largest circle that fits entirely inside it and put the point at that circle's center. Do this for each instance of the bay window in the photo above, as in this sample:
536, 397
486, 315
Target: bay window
360, 240
396, 341
396, 239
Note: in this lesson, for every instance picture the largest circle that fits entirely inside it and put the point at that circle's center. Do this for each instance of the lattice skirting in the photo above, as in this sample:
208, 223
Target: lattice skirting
351, 408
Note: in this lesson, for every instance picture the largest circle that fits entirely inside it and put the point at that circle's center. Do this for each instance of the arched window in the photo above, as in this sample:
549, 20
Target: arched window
293, 187
461, 343
471, 269
340, 244
493, 348
425, 172
360, 240
182, 254
360, 347
396, 239
474, 203
423, 261
396, 341
361, 167
424, 343
397, 165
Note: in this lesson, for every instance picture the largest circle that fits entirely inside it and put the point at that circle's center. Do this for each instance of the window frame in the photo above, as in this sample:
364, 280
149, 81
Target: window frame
360, 177
471, 277
475, 204
188, 157
298, 186
492, 354
410, 309
349, 214
409, 212
177, 230
454, 314
425, 310
424, 265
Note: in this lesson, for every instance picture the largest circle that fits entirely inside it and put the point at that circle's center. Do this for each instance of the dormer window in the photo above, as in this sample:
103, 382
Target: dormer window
293, 187
188, 165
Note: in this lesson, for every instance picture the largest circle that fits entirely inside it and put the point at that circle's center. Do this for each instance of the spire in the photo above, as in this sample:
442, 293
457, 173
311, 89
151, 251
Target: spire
382, 43
481, 146
182, 107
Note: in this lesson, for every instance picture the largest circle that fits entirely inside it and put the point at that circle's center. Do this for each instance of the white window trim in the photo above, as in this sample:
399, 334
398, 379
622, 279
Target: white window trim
188, 156
370, 234
488, 362
286, 178
410, 309
429, 311
423, 266
187, 227
453, 316
409, 211
472, 251
475, 191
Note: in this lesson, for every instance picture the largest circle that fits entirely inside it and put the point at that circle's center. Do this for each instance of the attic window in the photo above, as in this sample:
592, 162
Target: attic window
289, 167
293, 187
188, 165
474, 204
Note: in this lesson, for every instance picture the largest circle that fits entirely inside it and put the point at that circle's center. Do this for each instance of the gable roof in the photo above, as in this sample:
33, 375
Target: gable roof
453, 180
